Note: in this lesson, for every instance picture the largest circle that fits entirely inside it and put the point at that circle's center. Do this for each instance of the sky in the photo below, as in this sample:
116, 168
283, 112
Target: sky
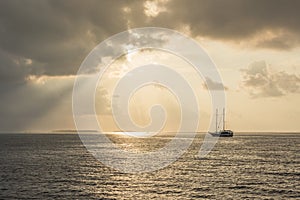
254, 43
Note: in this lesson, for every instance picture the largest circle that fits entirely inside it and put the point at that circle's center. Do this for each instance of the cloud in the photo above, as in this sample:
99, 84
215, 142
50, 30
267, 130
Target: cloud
57, 35
213, 85
12, 68
259, 81
234, 20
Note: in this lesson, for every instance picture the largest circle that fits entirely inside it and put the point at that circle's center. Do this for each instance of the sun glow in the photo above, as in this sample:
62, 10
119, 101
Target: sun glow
154, 8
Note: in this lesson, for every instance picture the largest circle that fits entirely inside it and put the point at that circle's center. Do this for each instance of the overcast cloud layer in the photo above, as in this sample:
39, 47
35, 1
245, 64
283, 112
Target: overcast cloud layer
53, 37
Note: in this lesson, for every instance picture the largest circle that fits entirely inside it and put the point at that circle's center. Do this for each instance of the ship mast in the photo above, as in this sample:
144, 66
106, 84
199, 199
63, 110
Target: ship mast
223, 118
216, 120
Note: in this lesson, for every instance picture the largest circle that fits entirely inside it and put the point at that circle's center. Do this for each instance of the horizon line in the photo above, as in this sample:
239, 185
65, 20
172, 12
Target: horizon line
73, 131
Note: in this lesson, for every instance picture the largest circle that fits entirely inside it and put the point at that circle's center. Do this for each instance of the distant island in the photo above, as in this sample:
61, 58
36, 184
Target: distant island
72, 131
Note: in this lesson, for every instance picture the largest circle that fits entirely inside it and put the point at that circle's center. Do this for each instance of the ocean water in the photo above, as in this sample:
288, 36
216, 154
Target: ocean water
48, 166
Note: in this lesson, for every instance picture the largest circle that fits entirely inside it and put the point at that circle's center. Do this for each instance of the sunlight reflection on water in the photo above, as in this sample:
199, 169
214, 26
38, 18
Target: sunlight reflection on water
58, 166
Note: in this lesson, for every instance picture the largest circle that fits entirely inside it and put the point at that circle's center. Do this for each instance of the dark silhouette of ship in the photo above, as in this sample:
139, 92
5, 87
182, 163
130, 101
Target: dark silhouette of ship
223, 132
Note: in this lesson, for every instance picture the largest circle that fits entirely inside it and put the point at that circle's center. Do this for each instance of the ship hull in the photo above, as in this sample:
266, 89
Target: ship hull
224, 133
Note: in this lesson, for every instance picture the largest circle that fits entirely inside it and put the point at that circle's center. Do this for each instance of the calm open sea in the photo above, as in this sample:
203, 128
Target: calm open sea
48, 166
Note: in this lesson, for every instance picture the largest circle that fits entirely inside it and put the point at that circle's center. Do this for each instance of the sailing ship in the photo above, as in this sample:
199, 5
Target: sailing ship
223, 132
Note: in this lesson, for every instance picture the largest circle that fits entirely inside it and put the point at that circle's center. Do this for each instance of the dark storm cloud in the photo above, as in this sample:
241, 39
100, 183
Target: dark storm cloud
57, 35
12, 69
260, 82
237, 20
282, 41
